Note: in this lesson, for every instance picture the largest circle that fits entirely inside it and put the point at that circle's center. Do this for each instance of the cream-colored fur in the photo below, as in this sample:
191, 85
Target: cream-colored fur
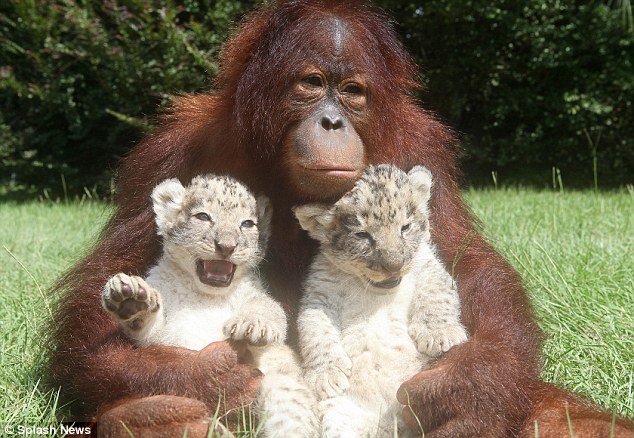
216, 219
362, 333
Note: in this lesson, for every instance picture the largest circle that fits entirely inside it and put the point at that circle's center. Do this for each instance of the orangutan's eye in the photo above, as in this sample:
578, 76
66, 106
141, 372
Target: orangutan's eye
353, 89
203, 217
314, 80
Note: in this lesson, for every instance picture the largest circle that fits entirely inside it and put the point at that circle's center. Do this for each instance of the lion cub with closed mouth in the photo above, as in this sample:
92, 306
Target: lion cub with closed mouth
378, 304
205, 288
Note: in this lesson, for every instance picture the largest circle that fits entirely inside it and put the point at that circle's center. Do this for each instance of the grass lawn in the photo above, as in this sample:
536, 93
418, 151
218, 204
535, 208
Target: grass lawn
574, 250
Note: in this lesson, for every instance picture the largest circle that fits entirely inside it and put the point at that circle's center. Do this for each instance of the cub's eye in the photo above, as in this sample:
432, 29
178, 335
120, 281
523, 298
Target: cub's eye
352, 89
203, 217
314, 80
363, 235
405, 228
247, 224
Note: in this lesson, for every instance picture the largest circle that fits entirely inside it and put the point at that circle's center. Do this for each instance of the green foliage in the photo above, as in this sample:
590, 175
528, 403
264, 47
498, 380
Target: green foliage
573, 251
531, 84
42, 240
75, 74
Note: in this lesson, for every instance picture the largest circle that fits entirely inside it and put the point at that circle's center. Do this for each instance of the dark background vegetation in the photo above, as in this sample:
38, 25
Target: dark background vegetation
530, 85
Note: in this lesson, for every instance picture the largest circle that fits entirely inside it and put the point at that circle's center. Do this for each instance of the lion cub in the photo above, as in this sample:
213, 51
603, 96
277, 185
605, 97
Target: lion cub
378, 304
205, 288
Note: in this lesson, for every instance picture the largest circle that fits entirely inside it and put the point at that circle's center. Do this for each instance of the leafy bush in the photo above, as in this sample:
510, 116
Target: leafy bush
79, 78
530, 84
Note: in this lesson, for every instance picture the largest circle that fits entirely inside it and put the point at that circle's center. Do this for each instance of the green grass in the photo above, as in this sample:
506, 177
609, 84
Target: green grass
573, 249
38, 241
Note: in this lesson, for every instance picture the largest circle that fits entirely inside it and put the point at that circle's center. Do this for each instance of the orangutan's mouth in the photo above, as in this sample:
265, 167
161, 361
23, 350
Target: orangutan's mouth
217, 273
390, 283
338, 173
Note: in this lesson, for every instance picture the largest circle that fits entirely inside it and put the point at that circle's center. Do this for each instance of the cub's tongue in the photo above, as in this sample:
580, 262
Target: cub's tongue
218, 273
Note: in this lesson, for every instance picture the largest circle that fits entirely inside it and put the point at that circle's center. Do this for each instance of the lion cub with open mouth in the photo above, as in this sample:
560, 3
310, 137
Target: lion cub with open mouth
205, 288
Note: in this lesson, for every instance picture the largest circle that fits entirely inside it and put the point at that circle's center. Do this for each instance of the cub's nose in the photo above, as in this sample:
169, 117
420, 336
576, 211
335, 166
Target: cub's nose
225, 249
392, 267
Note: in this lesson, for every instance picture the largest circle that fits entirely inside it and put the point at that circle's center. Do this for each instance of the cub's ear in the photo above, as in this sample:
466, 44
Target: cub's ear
421, 180
265, 216
264, 208
314, 218
167, 201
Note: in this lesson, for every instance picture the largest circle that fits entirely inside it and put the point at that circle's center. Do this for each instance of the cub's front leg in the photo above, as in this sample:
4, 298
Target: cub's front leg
434, 316
435, 339
260, 321
326, 364
255, 328
134, 303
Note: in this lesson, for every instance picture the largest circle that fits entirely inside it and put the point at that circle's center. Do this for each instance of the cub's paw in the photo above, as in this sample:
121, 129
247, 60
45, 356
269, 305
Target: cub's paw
255, 329
330, 380
437, 341
130, 300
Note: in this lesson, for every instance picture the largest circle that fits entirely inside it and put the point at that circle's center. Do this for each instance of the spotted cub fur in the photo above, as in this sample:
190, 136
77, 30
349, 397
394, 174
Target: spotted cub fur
205, 288
378, 304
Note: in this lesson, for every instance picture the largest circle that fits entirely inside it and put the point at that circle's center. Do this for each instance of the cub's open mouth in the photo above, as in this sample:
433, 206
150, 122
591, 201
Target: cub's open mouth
390, 283
218, 273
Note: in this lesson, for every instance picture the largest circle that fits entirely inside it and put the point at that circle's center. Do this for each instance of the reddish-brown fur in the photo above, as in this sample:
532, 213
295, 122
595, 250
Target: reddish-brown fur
488, 386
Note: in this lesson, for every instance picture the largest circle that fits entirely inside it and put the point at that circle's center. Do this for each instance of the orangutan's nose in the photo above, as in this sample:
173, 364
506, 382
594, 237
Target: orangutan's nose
331, 121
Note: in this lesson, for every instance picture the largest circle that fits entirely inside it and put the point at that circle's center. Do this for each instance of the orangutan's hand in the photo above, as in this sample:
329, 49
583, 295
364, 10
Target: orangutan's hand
471, 392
